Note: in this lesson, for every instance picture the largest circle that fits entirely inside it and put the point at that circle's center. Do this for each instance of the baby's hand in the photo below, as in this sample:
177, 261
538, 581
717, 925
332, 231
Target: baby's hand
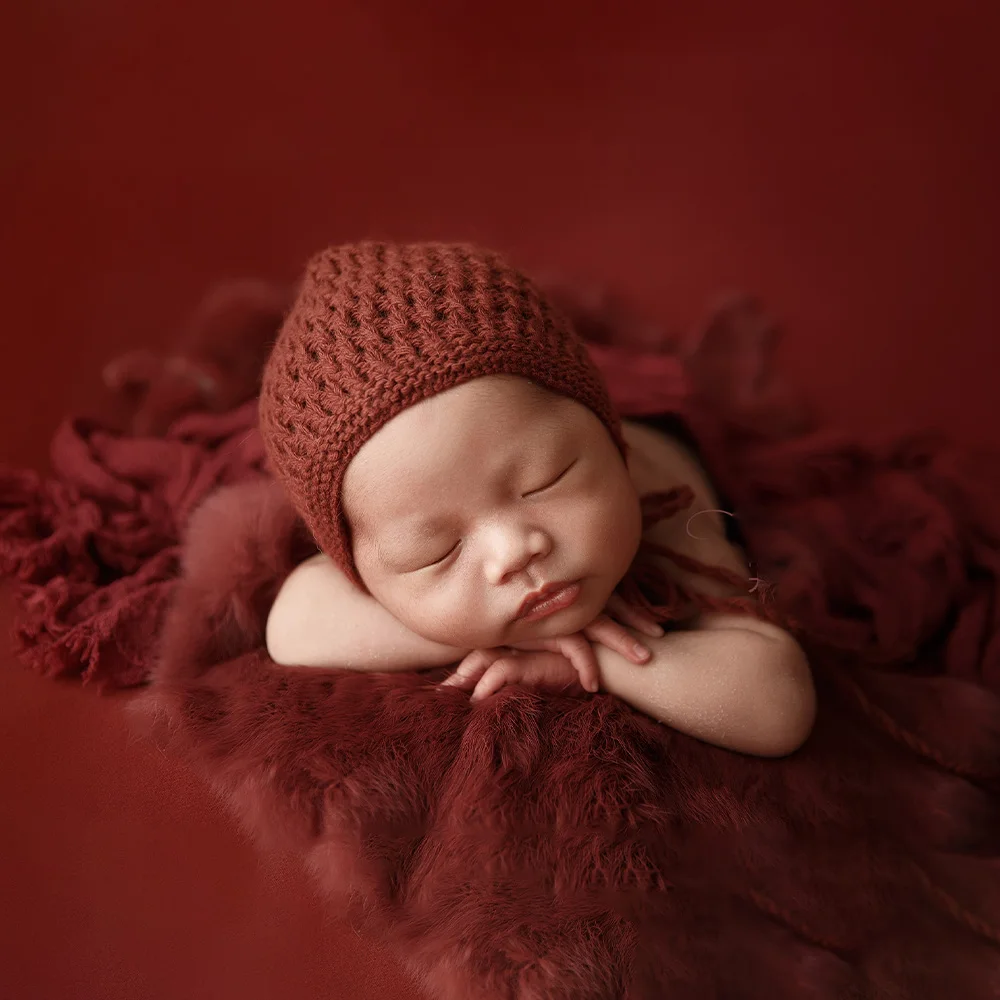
574, 649
608, 632
488, 670
577, 647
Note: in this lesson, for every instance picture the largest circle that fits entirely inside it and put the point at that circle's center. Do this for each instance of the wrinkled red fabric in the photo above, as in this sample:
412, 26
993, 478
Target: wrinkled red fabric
570, 847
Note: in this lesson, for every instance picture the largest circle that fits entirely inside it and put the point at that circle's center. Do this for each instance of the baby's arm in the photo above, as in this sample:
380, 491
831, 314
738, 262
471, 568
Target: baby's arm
732, 681
321, 619
729, 679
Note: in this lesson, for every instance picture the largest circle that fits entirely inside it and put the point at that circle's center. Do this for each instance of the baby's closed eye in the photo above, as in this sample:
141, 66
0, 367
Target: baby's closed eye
551, 482
443, 558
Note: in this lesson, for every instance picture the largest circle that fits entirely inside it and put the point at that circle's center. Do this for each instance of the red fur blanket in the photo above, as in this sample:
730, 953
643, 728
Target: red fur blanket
542, 847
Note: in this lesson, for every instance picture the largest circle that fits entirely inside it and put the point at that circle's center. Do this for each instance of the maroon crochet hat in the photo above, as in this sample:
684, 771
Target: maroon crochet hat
377, 327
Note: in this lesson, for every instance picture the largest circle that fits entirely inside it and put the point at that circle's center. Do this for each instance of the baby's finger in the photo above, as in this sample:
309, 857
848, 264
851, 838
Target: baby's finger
553, 645
574, 648
499, 674
609, 633
580, 653
640, 620
472, 667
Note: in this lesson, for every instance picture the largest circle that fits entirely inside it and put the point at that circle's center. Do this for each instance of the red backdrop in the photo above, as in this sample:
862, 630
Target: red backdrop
838, 158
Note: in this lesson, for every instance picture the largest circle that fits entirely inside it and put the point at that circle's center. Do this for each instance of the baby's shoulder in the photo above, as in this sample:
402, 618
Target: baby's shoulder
659, 461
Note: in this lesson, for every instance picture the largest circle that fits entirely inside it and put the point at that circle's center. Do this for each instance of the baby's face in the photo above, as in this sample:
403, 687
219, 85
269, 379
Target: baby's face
464, 504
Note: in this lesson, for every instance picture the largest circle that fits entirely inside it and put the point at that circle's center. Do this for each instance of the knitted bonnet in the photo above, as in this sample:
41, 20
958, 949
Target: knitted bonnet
377, 327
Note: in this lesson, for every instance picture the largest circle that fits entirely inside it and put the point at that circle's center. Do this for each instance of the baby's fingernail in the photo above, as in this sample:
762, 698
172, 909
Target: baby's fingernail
656, 629
641, 651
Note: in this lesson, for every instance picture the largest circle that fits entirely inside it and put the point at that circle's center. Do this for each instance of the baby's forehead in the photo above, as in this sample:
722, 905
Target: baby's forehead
481, 431
487, 388
483, 411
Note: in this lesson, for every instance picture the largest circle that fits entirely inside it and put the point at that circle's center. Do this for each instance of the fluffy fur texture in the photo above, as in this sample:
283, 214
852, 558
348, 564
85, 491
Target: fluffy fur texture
542, 847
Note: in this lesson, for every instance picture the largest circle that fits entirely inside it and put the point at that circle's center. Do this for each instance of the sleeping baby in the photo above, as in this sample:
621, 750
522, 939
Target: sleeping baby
475, 500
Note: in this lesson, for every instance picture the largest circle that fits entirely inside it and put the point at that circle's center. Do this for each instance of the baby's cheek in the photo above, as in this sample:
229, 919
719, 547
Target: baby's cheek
451, 615
605, 527
627, 534
623, 522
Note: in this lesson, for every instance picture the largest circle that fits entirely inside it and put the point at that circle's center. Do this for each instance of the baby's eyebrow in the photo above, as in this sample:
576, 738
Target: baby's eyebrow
390, 534
394, 548
369, 524
428, 526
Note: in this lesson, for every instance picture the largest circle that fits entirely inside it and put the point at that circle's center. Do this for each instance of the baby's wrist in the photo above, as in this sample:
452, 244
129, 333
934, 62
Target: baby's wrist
617, 673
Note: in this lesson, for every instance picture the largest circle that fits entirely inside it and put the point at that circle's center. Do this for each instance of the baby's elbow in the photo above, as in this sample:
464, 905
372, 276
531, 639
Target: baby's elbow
279, 640
792, 703
289, 635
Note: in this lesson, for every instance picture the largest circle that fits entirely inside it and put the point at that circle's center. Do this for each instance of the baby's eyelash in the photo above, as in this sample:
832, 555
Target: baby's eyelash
551, 482
437, 562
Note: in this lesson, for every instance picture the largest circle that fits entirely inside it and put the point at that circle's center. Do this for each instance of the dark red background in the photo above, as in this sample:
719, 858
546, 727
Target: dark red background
838, 158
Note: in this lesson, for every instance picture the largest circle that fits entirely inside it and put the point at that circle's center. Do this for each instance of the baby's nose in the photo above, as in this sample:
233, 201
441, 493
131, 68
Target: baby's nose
514, 550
